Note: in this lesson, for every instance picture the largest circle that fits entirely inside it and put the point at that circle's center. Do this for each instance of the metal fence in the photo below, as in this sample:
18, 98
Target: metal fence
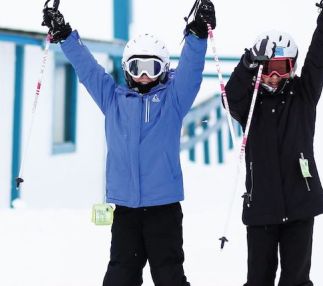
208, 119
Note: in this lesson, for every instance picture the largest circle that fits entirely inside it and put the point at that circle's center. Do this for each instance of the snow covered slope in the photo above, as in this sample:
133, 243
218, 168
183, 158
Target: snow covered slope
62, 248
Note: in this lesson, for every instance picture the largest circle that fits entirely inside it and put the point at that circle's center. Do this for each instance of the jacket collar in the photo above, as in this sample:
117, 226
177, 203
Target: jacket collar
282, 88
126, 91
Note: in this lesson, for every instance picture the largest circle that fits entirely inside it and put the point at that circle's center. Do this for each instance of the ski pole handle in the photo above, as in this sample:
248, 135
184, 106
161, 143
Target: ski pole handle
319, 5
55, 4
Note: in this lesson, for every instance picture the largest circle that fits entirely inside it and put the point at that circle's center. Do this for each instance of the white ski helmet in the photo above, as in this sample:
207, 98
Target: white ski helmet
285, 48
146, 45
285, 45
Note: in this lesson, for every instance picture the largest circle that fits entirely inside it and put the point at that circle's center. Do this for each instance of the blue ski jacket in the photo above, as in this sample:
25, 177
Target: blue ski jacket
142, 130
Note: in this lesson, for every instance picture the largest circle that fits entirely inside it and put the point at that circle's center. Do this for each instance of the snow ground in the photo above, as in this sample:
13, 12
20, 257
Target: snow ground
63, 248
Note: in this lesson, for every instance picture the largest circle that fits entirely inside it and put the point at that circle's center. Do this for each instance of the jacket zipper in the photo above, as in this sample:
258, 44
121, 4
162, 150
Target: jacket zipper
147, 109
251, 189
248, 195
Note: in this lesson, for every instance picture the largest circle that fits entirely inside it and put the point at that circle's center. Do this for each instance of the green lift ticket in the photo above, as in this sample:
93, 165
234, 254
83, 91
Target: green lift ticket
304, 167
102, 214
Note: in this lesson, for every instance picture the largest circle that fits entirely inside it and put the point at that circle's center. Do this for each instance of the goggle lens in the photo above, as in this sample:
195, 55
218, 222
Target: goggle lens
153, 68
281, 66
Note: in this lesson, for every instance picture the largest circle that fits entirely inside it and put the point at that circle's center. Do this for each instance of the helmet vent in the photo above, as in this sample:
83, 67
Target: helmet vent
146, 45
285, 45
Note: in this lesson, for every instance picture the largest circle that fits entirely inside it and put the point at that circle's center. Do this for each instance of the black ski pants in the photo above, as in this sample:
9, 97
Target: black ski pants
293, 240
141, 234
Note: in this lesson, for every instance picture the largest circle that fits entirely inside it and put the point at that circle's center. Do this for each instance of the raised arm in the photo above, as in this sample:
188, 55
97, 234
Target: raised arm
238, 90
241, 83
99, 84
312, 71
188, 74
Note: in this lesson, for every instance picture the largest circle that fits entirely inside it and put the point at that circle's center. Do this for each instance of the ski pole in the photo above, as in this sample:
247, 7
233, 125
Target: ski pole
20, 179
223, 93
319, 5
224, 239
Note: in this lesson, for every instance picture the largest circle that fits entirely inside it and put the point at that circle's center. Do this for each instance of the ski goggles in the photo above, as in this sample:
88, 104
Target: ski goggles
279, 66
153, 68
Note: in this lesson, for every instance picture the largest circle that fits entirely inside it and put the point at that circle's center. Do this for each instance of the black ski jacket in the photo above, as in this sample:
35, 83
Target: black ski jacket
282, 128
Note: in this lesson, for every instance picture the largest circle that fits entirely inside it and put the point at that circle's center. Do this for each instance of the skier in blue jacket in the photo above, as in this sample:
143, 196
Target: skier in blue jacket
143, 123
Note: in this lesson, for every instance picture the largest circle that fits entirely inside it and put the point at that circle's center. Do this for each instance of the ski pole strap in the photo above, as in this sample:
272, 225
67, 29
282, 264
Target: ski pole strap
46, 4
55, 4
320, 5
194, 8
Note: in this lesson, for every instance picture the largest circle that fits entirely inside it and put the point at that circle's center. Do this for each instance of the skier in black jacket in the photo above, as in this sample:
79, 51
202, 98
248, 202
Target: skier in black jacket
283, 189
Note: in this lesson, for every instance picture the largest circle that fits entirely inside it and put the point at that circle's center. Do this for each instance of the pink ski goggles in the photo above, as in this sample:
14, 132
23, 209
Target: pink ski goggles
279, 66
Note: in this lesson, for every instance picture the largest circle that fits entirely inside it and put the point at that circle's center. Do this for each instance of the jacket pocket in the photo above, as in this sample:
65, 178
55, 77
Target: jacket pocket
170, 166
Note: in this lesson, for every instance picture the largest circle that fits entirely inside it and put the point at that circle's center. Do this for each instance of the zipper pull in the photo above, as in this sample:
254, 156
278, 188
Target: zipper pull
247, 199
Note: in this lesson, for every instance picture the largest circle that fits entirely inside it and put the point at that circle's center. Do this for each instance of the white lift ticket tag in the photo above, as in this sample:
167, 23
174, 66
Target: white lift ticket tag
102, 214
305, 168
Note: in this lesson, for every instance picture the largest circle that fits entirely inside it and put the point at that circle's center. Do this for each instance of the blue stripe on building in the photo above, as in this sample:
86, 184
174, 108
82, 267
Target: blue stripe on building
17, 119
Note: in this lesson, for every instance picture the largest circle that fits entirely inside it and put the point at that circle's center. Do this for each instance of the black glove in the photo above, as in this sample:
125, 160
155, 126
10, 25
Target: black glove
204, 15
54, 20
262, 50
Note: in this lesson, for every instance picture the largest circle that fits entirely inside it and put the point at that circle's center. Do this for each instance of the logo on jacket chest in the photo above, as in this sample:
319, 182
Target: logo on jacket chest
155, 99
